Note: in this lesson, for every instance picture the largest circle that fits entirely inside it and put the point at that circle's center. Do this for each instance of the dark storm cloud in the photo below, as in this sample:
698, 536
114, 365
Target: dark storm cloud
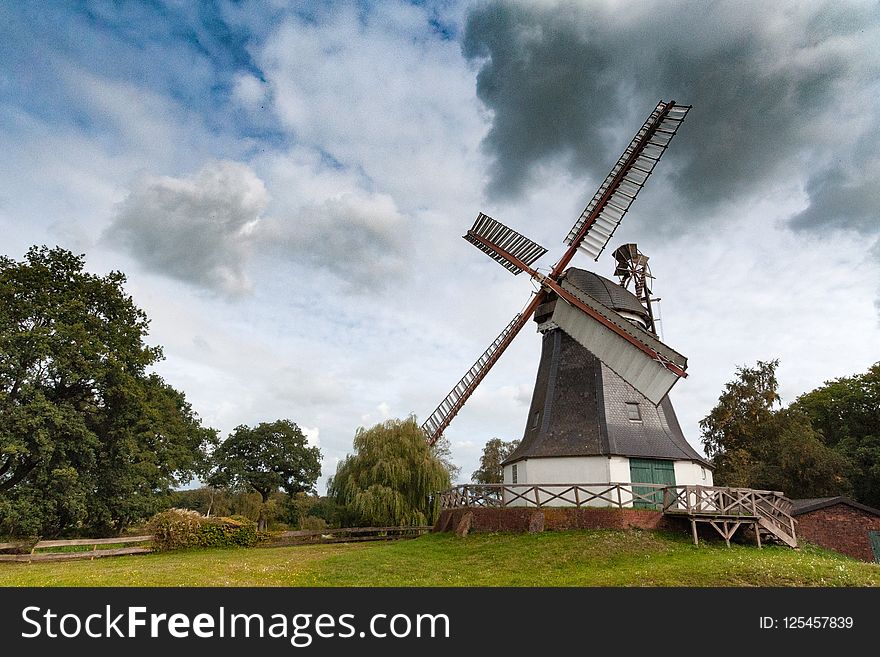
843, 199
569, 83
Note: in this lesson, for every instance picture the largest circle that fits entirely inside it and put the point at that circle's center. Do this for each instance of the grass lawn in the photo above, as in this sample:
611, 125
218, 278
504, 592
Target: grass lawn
574, 558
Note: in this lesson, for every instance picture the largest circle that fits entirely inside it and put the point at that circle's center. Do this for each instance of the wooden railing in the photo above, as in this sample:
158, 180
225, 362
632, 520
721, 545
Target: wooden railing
725, 508
347, 535
297, 537
771, 510
717, 500
619, 495
94, 543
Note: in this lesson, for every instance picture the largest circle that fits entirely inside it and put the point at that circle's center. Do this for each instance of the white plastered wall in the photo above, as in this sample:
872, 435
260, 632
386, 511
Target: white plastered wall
564, 470
688, 473
587, 470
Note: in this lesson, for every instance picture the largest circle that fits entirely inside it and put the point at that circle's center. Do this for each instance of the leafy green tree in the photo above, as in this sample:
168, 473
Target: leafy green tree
303, 511
206, 500
152, 435
88, 440
846, 413
266, 458
494, 453
796, 460
754, 445
392, 477
443, 451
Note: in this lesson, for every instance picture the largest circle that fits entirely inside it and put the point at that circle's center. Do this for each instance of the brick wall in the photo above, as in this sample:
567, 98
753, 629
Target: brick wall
841, 528
524, 519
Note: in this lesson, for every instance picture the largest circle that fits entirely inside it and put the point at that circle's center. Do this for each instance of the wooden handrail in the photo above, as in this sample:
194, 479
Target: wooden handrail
615, 494
765, 509
718, 500
79, 542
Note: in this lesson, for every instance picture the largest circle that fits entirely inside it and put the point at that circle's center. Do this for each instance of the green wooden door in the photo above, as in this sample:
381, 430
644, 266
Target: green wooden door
874, 537
650, 471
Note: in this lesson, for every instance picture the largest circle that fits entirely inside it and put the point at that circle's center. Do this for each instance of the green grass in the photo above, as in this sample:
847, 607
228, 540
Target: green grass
575, 558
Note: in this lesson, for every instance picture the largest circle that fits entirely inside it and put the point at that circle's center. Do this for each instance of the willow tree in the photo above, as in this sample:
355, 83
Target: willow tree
392, 478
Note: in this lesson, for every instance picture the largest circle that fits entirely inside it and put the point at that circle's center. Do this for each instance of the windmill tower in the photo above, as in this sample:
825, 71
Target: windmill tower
600, 410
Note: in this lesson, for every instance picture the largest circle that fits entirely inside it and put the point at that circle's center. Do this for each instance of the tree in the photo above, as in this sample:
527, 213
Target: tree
305, 511
206, 500
269, 457
392, 478
797, 461
88, 440
846, 413
494, 453
443, 451
752, 444
740, 424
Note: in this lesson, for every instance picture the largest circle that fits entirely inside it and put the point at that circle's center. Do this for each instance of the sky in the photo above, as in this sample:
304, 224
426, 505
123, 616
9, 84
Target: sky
286, 184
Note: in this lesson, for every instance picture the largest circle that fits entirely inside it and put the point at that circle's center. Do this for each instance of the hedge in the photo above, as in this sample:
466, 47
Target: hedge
177, 529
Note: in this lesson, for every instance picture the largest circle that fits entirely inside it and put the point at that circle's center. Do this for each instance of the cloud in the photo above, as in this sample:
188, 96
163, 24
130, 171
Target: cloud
378, 90
299, 386
775, 89
207, 229
312, 435
358, 237
249, 91
843, 198
197, 229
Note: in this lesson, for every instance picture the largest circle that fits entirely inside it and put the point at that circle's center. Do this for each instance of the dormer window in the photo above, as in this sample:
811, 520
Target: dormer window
633, 414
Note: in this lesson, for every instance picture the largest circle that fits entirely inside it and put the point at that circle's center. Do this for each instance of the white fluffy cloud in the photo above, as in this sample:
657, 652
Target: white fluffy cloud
197, 228
378, 92
361, 238
205, 229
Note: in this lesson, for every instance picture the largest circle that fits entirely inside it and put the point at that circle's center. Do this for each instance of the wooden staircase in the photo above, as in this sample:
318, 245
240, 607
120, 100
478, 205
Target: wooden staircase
727, 509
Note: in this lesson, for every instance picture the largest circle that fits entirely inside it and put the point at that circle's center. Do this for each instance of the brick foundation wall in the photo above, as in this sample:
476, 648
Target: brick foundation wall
840, 528
524, 519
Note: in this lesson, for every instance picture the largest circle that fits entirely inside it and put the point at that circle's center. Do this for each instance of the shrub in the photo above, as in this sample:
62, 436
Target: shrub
313, 523
228, 532
177, 529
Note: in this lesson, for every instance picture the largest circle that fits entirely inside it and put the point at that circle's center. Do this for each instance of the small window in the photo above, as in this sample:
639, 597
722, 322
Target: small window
703, 473
513, 477
536, 419
633, 414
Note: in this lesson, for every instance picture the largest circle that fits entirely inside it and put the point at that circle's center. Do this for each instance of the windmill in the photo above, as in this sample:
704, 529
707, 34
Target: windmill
631, 266
602, 365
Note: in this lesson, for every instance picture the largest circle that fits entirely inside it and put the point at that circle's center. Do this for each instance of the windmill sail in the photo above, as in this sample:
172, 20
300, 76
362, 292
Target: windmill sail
594, 228
653, 376
449, 407
633, 353
490, 236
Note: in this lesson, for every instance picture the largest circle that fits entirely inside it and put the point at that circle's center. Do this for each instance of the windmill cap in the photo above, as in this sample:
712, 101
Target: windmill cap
606, 292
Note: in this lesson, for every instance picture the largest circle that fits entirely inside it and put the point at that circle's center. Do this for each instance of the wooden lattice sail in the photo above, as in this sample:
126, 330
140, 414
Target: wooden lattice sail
632, 351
